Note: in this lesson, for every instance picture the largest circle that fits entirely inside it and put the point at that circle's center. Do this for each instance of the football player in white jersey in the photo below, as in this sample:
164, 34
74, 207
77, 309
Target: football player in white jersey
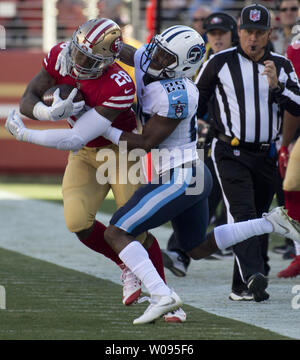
168, 100
167, 106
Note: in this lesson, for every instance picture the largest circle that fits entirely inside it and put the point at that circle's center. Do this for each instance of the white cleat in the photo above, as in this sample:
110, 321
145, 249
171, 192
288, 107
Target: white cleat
175, 316
283, 224
132, 286
157, 308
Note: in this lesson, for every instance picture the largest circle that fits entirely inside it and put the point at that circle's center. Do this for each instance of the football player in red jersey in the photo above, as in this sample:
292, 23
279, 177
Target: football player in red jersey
108, 93
289, 165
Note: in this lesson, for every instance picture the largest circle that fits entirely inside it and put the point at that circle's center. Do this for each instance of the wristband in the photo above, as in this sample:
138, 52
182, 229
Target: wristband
279, 89
113, 134
41, 112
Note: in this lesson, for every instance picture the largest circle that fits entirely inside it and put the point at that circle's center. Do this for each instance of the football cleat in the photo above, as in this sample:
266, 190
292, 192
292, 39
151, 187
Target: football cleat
292, 270
158, 307
283, 224
174, 262
132, 286
241, 296
175, 316
257, 285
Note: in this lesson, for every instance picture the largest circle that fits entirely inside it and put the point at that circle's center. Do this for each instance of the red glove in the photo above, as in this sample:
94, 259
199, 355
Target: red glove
283, 158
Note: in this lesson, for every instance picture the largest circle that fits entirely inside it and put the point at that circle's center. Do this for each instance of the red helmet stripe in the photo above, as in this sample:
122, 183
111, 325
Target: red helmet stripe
100, 33
93, 29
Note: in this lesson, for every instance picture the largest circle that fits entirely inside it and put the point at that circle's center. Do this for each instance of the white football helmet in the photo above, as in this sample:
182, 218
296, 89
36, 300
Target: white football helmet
176, 52
94, 46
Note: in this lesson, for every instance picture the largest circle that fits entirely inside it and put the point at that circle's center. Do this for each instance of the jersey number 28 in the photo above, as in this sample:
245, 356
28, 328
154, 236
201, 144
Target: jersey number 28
121, 78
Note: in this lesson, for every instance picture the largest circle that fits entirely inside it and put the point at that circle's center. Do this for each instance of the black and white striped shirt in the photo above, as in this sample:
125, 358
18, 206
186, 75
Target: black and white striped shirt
242, 104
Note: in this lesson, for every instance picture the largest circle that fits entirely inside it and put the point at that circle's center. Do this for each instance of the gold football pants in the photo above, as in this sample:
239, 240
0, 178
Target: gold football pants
82, 192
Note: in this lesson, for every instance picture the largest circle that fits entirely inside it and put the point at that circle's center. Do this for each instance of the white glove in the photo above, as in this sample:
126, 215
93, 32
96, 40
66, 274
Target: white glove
15, 126
62, 109
61, 61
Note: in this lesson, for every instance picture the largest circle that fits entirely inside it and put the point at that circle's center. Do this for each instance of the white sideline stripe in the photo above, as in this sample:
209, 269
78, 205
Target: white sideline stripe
50, 241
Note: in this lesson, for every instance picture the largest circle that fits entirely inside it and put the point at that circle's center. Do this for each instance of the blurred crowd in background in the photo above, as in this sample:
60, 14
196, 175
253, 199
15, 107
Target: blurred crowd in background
23, 19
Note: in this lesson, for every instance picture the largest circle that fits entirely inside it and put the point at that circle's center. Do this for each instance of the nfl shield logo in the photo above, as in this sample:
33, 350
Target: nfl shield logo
255, 15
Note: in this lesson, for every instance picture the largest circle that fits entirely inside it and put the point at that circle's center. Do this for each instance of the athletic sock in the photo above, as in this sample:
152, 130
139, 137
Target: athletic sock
231, 234
155, 256
136, 258
96, 242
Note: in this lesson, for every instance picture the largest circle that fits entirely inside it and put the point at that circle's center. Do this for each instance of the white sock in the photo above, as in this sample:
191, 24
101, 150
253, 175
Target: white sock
297, 248
136, 258
231, 234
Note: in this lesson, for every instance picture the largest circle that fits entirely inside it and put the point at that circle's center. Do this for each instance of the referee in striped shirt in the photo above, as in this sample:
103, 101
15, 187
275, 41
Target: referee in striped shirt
248, 87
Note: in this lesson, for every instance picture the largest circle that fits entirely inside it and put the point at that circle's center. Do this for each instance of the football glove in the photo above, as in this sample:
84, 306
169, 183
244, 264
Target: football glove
61, 61
283, 158
62, 109
15, 126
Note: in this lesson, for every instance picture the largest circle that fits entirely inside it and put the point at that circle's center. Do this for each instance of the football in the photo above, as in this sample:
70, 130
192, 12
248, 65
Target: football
65, 91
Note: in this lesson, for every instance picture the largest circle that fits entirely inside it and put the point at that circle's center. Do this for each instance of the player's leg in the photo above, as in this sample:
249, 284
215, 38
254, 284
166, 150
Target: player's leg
123, 188
291, 187
152, 205
82, 196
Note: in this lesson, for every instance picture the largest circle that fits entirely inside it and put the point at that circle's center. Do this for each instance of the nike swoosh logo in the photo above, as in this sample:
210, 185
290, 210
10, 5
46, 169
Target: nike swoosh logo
173, 301
286, 229
128, 91
176, 97
62, 114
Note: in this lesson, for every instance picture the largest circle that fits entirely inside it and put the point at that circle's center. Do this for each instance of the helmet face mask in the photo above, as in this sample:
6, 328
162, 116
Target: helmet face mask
177, 52
85, 66
162, 61
95, 45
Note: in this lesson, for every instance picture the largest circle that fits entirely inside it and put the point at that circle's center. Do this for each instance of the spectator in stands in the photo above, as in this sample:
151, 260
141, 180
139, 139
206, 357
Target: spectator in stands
198, 19
288, 14
16, 33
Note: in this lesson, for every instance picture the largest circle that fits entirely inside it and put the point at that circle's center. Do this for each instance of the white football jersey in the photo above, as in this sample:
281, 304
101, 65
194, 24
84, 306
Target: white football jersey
171, 98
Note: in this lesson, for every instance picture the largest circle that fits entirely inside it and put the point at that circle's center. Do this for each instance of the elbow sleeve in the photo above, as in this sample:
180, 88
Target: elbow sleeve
73, 142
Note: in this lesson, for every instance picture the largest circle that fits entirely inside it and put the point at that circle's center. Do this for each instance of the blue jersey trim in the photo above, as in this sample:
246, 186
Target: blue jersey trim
177, 98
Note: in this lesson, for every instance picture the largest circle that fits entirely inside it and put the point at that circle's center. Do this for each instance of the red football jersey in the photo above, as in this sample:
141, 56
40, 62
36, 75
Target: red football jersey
293, 53
114, 89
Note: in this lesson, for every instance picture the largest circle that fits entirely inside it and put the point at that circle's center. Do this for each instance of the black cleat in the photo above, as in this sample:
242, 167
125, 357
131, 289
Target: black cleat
257, 284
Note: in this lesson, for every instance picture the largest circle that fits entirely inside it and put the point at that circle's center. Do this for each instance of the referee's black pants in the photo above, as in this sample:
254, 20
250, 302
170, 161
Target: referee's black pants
247, 178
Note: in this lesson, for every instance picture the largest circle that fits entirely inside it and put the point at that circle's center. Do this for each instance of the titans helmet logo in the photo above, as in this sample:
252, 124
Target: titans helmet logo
196, 53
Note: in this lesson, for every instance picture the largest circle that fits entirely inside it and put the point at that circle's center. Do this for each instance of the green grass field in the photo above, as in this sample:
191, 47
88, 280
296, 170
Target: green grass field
49, 302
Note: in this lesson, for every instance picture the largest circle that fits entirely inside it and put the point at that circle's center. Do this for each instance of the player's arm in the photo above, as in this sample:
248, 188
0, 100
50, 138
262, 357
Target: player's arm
127, 54
89, 126
156, 130
289, 128
34, 92
31, 104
